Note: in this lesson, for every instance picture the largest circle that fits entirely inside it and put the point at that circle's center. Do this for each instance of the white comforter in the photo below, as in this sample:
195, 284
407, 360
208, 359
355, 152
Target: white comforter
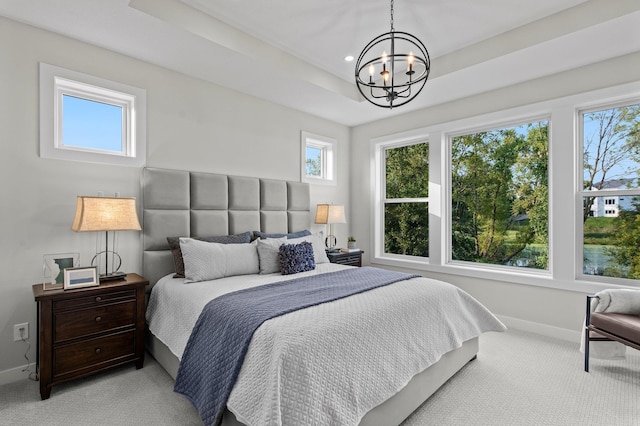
331, 363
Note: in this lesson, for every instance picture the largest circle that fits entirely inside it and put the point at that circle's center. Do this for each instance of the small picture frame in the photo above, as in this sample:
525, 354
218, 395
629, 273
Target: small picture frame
53, 266
81, 277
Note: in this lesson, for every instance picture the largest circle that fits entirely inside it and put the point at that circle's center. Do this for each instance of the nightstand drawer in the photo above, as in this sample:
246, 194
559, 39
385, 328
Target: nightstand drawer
84, 322
70, 358
89, 301
348, 259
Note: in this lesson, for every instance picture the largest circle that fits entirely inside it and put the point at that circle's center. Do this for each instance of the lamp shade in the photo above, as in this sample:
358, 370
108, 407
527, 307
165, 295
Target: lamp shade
330, 213
105, 214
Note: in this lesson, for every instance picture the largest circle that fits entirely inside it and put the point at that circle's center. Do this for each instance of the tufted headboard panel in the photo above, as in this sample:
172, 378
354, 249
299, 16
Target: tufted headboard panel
180, 203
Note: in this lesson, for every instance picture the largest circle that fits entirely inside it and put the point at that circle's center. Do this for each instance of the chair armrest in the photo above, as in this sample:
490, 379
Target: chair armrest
587, 315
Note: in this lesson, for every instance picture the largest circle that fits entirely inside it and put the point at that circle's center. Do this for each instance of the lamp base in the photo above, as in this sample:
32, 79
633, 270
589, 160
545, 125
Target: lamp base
113, 276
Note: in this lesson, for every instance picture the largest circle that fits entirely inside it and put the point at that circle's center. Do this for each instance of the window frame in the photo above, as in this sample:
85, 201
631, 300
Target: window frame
448, 247
564, 204
605, 194
57, 82
384, 200
379, 199
328, 158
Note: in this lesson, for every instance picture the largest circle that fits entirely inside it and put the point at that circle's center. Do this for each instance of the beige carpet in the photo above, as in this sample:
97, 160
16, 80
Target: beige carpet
518, 379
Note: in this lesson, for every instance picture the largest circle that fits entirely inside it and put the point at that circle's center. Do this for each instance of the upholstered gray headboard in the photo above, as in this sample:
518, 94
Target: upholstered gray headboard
181, 203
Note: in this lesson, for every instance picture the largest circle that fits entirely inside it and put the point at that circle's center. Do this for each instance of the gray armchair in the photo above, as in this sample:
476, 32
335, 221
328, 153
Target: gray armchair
610, 326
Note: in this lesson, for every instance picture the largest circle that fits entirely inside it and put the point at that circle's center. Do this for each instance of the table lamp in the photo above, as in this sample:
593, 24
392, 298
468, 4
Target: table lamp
329, 214
95, 214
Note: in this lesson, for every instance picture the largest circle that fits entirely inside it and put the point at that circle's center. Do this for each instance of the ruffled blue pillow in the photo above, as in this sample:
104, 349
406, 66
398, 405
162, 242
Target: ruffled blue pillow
295, 258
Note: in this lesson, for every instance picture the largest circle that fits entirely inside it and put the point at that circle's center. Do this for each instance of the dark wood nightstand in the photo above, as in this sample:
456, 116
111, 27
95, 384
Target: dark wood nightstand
88, 330
352, 259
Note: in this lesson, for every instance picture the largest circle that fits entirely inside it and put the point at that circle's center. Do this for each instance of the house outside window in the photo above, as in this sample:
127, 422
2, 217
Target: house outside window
86, 118
610, 191
318, 159
500, 196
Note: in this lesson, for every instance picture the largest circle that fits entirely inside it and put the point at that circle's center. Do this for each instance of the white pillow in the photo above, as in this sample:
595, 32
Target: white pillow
620, 301
209, 261
317, 241
268, 254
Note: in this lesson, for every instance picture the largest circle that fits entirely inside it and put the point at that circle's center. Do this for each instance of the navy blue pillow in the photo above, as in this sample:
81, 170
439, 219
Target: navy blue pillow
294, 258
262, 235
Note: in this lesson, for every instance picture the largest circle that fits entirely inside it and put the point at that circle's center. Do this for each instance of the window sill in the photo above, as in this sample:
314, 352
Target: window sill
535, 278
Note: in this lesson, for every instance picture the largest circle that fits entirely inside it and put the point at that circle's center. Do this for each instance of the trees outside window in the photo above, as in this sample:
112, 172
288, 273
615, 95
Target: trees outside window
500, 197
318, 159
406, 200
611, 191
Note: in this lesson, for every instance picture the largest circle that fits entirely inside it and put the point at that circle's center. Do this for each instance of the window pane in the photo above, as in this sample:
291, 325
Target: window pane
611, 148
314, 161
611, 153
407, 171
612, 237
90, 124
499, 200
406, 229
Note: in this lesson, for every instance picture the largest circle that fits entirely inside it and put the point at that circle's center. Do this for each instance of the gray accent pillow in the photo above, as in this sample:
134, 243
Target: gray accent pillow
205, 261
317, 240
174, 245
262, 235
268, 254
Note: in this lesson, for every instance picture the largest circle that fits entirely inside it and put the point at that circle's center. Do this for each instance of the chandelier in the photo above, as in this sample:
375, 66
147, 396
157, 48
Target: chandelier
395, 76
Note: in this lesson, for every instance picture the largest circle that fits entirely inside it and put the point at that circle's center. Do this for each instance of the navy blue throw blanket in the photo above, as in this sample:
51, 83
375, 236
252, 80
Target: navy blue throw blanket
220, 339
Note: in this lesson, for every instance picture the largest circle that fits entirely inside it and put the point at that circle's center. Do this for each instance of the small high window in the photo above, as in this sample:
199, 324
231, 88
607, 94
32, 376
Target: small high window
85, 118
318, 159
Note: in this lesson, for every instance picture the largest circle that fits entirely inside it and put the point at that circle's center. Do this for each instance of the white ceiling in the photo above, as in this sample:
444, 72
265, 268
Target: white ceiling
291, 52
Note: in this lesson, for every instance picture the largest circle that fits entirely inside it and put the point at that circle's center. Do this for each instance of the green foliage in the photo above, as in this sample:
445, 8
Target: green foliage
625, 252
599, 231
313, 166
407, 223
500, 195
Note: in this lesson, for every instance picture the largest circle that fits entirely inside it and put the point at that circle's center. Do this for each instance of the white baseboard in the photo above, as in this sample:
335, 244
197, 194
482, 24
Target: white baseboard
539, 328
16, 374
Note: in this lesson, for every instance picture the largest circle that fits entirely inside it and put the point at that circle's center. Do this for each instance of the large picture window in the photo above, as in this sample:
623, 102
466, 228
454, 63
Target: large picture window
500, 196
610, 193
406, 199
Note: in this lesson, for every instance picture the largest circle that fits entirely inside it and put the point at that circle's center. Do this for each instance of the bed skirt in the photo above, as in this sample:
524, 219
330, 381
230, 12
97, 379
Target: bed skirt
391, 412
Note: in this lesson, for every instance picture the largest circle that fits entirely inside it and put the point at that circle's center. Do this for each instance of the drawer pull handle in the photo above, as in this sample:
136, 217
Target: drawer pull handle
98, 299
98, 350
98, 319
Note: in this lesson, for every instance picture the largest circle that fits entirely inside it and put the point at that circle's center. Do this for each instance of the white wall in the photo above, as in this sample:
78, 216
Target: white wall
192, 125
549, 310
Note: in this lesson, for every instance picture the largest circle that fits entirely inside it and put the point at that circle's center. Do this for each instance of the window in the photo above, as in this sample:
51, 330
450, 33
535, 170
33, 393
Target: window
500, 197
610, 191
405, 199
515, 202
318, 159
85, 118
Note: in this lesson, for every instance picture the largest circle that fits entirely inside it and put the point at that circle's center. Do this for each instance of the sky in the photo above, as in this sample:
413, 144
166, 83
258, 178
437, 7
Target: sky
90, 124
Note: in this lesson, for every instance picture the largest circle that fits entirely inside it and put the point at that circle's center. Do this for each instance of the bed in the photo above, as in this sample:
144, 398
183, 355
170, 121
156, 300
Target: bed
347, 375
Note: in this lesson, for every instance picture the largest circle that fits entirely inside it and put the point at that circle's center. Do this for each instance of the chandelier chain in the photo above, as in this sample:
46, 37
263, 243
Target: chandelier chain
391, 15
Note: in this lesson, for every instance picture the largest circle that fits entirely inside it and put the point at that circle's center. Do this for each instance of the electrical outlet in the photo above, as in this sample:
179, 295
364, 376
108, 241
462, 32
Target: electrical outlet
20, 332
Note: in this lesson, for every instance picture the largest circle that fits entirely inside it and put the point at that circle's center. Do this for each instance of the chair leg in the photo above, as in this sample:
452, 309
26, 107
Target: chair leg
586, 349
